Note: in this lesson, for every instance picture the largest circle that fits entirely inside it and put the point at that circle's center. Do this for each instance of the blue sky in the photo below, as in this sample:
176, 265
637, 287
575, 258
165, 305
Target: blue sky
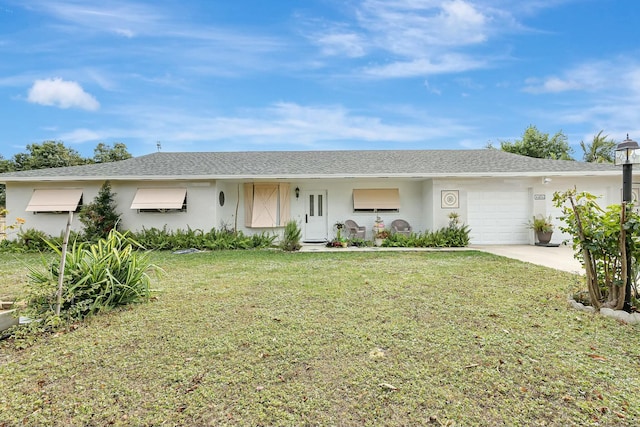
237, 75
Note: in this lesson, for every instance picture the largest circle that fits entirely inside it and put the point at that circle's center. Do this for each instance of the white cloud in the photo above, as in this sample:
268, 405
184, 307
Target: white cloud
118, 17
590, 76
550, 85
78, 136
288, 124
63, 94
125, 32
432, 89
416, 37
598, 95
342, 43
410, 28
419, 67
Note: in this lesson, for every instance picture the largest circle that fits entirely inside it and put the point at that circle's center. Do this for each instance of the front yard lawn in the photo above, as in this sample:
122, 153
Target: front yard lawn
343, 339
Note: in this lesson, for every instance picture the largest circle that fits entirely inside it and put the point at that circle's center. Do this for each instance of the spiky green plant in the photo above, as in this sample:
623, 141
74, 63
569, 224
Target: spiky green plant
98, 276
292, 237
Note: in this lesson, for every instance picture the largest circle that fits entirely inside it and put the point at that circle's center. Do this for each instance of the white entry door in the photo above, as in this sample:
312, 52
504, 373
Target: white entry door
315, 216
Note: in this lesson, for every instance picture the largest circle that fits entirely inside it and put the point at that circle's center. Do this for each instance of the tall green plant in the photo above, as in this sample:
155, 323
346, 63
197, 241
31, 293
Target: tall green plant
100, 216
292, 236
98, 276
599, 237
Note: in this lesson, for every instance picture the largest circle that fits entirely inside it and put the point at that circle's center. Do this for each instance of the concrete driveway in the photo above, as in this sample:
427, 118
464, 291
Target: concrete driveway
560, 258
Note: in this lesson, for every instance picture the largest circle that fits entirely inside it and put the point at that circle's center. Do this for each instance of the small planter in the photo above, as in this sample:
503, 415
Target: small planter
543, 228
378, 242
544, 237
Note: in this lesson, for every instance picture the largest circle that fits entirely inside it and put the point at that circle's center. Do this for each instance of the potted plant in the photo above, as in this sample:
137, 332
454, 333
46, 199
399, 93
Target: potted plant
339, 241
543, 228
380, 235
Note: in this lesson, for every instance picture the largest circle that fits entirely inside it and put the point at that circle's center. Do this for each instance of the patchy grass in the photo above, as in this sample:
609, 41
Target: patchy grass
348, 339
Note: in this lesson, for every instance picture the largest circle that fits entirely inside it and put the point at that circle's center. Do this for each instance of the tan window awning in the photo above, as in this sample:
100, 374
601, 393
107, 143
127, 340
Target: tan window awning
55, 200
159, 198
376, 198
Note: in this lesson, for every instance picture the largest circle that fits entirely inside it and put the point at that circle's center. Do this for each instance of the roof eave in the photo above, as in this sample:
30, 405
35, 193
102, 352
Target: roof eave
531, 174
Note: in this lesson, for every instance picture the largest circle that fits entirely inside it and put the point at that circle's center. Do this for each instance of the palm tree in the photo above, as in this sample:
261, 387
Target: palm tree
601, 149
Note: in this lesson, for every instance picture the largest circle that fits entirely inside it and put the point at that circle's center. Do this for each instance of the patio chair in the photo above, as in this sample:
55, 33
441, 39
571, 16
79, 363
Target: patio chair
355, 230
400, 226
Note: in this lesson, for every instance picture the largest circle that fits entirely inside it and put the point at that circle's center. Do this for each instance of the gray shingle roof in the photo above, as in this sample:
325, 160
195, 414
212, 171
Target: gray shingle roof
299, 164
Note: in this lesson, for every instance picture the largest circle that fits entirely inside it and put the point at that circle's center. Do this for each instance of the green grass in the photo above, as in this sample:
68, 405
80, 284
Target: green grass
344, 339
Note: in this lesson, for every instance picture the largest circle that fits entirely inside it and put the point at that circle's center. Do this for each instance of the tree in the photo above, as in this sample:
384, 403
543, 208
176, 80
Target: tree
100, 216
103, 153
53, 154
601, 149
599, 237
49, 154
537, 144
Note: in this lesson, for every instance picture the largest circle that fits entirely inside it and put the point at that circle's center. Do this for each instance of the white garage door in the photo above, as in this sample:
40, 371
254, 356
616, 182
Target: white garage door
498, 217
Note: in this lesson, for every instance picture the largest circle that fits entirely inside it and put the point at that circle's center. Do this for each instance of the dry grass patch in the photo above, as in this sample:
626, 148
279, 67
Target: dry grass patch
349, 339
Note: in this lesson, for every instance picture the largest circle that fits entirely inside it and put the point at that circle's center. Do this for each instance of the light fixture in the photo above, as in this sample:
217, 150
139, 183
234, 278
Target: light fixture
297, 190
627, 154
546, 180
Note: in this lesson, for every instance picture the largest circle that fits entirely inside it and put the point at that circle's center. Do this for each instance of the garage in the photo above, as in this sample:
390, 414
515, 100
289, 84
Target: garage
498, 217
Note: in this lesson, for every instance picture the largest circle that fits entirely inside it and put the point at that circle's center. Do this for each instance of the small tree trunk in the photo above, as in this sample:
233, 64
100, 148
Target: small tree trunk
592, 278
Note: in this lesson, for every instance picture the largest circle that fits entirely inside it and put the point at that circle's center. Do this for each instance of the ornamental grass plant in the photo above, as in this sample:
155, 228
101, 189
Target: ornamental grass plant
97, 277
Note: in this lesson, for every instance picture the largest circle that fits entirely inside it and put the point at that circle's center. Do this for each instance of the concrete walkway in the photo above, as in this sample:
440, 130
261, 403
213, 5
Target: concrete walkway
560, 258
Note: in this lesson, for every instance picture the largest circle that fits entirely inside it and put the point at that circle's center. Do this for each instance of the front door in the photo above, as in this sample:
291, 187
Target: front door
315, 227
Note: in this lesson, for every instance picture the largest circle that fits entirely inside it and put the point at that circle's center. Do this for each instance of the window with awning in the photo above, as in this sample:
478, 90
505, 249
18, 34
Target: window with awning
160, 199
266, 205
55, 200
376, 200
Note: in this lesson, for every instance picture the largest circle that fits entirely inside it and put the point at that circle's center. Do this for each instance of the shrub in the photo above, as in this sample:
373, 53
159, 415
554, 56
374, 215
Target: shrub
100, 216
454, 235
153, 238
292, 237
599, 241
156, 239
32, 240
97, 277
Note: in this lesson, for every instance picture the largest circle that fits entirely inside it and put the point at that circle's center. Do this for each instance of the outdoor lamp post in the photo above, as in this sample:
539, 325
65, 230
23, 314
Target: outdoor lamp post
627, 154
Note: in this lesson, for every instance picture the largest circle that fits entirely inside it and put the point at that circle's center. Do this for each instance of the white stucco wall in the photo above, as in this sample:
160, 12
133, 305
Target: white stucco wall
340, 202
539, 200
202, 199
19, 194
420, 202
201, 212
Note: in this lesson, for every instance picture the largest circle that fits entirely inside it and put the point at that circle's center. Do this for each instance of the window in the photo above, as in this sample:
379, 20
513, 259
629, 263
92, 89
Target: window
55, 200
266, 205
376, 200
160, 200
